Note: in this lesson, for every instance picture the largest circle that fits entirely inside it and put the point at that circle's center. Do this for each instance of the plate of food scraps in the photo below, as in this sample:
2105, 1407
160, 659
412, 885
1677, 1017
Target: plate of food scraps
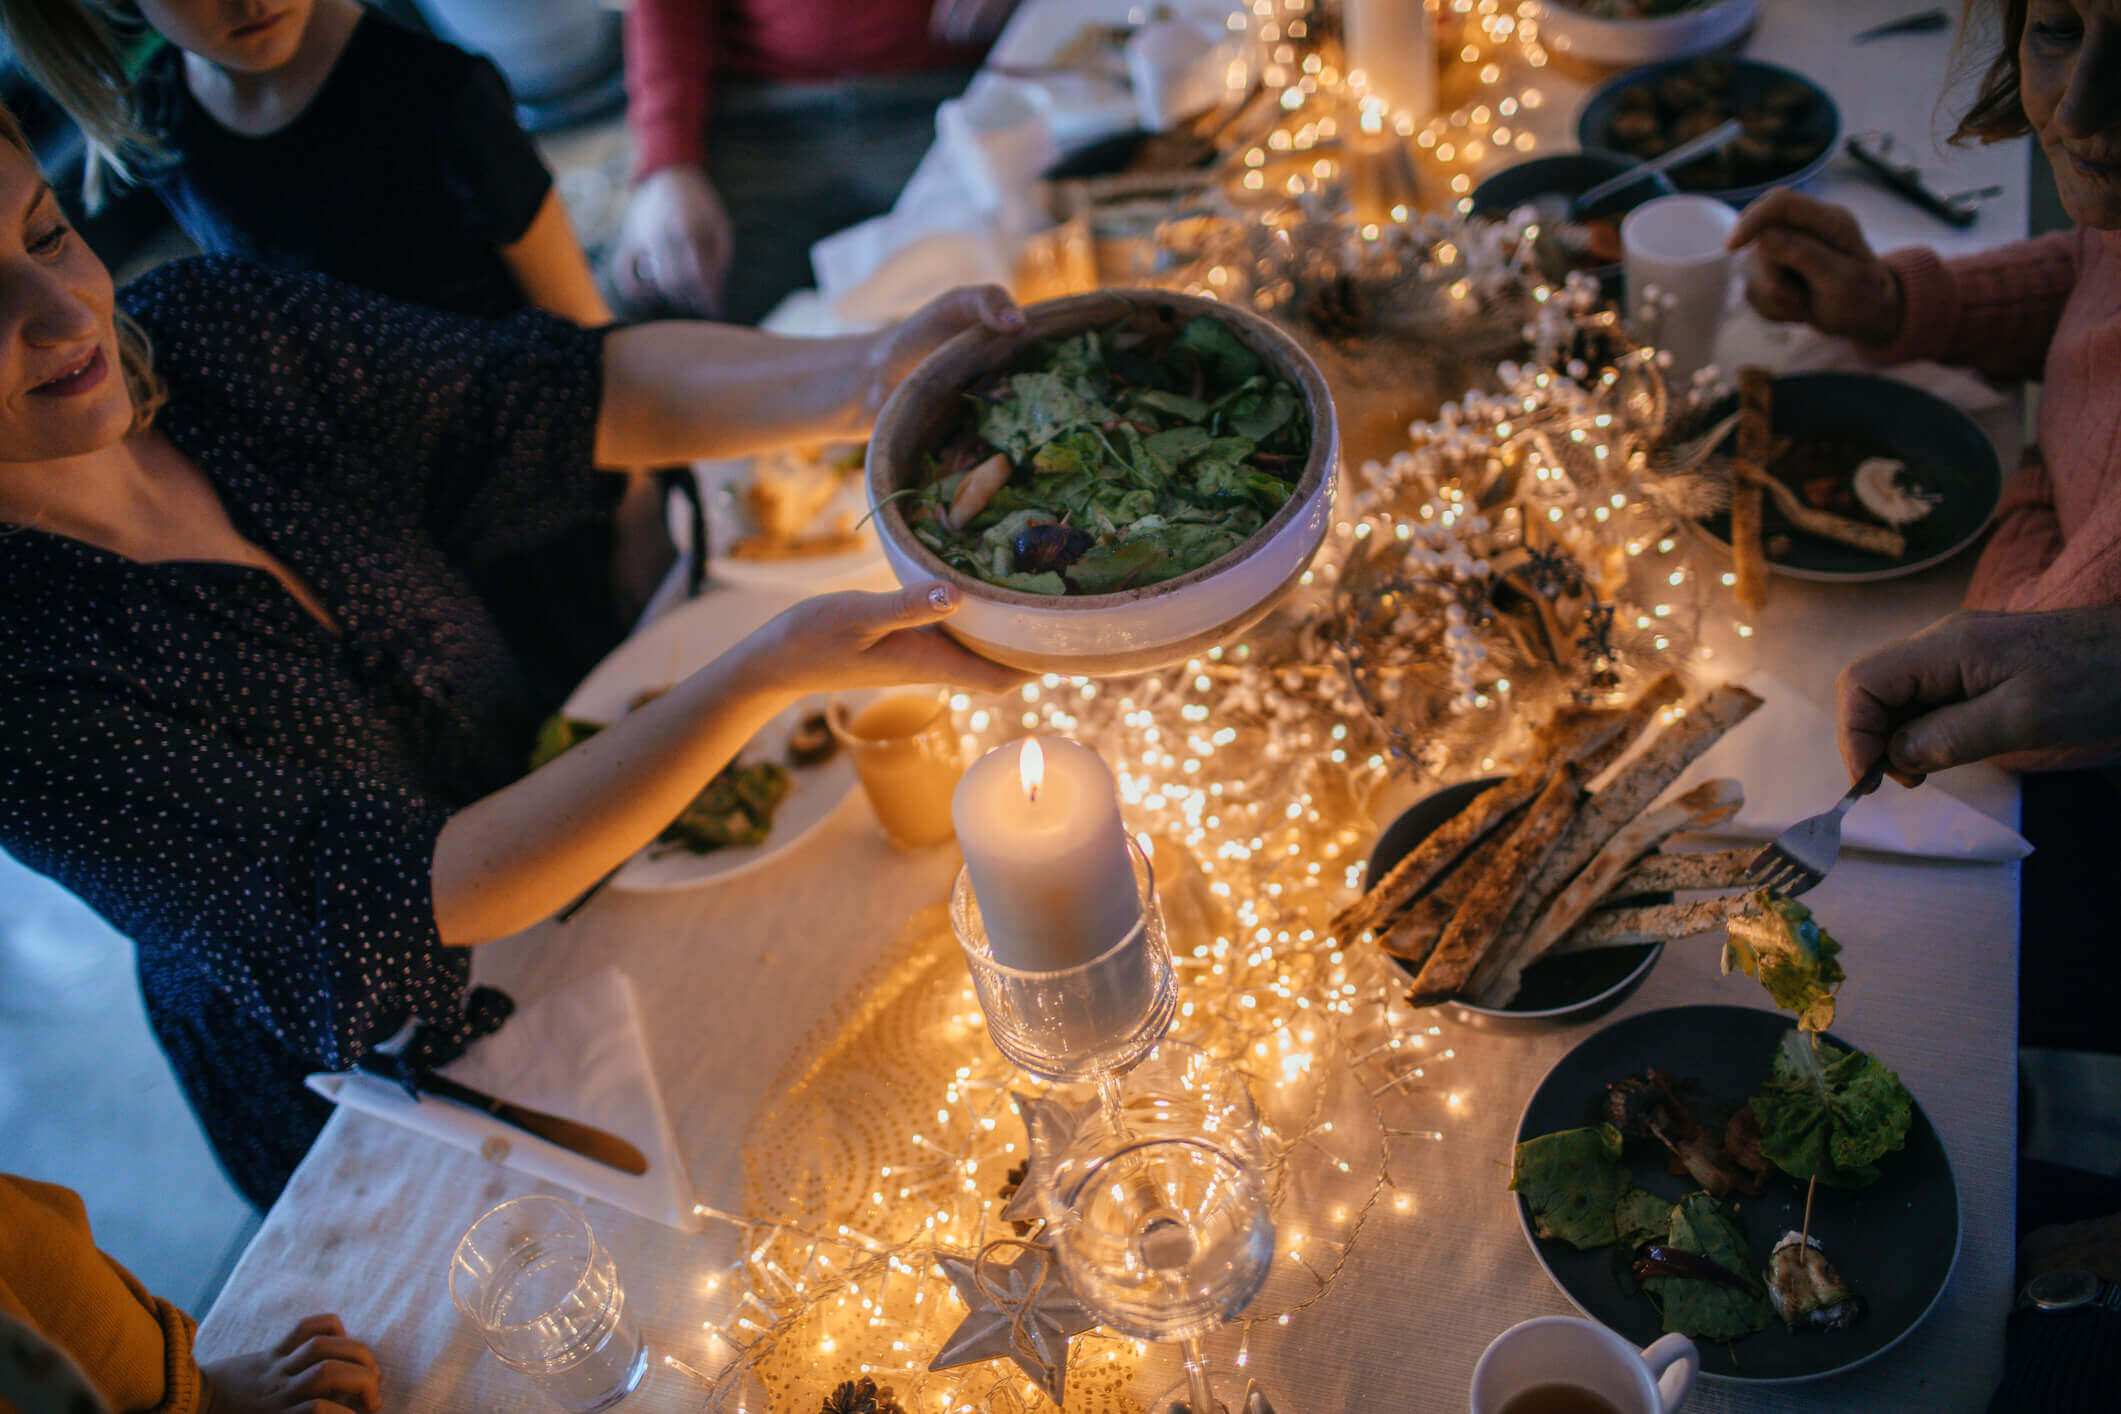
791, 519
1868, 478
1879, 1256
779, 790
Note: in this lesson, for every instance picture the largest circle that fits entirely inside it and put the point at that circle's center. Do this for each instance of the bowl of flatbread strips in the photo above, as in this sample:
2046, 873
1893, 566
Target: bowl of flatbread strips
1527, 900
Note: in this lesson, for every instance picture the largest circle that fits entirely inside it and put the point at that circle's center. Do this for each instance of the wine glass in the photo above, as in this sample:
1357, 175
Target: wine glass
1090, 1022
1160, 1220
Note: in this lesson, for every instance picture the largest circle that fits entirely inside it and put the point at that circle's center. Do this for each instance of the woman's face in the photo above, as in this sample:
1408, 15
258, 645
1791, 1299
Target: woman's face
249, 36
2069, 78
62, 392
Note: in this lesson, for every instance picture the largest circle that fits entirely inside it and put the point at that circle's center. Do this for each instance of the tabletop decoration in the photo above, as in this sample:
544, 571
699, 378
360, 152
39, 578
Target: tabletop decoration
1022, 1310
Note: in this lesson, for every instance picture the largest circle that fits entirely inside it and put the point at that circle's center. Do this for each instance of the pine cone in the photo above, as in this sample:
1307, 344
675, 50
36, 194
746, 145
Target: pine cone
1008, 1190
861, 1397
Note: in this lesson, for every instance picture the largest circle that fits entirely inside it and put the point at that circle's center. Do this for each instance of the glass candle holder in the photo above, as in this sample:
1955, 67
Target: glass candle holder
1089, 1022
531, 1275
907, 755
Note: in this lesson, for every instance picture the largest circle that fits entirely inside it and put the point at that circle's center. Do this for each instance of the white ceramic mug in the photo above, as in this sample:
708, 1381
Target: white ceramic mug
1565, 1350
1679, 276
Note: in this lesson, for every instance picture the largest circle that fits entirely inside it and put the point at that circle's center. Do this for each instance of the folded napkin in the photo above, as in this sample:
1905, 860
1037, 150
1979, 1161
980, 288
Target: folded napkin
577, 1053
1785, 757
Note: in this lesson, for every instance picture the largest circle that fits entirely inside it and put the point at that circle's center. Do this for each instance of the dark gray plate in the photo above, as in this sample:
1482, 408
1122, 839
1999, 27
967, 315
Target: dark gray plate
1574, 987
1895, 1242
1945, 451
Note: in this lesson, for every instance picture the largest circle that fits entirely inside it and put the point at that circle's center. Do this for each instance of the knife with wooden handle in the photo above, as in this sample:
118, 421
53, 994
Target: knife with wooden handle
587, 1140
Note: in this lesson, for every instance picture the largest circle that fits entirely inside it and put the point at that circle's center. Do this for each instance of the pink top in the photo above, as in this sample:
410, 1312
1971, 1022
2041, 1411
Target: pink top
676, 48
2047, 308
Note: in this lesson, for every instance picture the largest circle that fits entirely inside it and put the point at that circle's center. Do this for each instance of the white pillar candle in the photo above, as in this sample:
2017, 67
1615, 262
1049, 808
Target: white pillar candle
1039, 823
1392, 43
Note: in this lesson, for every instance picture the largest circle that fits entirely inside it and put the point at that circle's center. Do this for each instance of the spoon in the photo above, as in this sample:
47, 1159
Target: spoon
1553, 207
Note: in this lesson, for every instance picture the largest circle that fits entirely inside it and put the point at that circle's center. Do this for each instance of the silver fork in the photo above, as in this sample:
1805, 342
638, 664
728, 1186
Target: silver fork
1800, 856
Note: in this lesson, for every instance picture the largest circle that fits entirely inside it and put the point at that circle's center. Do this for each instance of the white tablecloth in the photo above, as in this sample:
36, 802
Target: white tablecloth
732, 975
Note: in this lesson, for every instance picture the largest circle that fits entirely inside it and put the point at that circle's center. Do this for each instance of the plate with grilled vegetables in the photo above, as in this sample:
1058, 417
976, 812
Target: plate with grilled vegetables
1662, 1171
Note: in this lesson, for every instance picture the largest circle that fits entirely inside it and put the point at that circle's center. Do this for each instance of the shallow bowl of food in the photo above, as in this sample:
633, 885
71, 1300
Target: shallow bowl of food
1563, 990
1123, 542
1791, 125
1613, 34
1592, 242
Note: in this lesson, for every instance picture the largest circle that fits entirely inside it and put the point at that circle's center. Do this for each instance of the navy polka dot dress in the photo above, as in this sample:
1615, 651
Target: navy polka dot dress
251, 798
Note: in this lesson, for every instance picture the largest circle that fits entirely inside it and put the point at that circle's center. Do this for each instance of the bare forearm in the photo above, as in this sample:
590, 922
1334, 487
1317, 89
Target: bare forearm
683, 389
548, 264
513, 858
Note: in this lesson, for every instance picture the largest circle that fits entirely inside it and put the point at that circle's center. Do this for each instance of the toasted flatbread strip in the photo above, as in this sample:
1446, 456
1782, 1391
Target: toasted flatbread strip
1495, 980
1618, 927
1724, 869
1874, 539
1415, 933
1427, 861
1635, 721
1503, 876
1641, 781
1755, 436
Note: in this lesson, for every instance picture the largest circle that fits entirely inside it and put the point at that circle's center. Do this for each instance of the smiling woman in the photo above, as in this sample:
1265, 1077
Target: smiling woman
2044, 308
252, 709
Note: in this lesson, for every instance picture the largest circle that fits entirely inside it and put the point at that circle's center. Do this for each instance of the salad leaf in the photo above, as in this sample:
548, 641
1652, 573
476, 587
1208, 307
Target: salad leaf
1044, 582
1572, 1180
1222, 356
1641, 1216
1830, 1113
1108, 569
1709, 1310
1776, 941
1040, 407
1177, 404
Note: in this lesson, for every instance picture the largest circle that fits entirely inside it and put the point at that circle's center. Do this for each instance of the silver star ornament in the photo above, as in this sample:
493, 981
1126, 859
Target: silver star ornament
1031, 1330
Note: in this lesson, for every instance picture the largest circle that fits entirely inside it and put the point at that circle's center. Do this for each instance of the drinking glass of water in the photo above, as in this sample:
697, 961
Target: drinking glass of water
531, 1275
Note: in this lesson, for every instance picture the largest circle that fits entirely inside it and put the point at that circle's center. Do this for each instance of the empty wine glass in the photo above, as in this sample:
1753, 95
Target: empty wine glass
1160, 1219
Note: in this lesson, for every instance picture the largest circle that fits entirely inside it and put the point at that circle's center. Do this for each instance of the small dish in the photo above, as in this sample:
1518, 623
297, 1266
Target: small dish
1718, 89
1566, 990
1567, 174
1136, 630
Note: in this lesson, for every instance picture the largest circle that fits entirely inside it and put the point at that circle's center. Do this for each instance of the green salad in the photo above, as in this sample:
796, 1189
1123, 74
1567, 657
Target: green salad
735, 808
1113, 458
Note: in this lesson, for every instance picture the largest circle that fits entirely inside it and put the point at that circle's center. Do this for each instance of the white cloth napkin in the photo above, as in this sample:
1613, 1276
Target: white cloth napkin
1785, 756
578, 1053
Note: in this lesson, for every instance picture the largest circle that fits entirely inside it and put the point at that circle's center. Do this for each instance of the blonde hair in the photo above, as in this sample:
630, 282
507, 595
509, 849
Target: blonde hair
71, 48
136, 356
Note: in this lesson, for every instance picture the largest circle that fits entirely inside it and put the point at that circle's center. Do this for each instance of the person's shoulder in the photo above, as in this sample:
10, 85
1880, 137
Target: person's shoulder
227, 284
413, 59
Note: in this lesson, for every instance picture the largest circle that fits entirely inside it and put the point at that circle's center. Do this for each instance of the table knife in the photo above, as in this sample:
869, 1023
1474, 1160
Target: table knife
584, 1139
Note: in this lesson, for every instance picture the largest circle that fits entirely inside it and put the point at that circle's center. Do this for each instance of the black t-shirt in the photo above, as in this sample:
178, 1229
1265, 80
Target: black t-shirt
405, 174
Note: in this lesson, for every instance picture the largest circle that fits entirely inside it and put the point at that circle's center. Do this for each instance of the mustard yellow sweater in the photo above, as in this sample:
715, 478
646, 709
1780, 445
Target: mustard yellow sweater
134, 1347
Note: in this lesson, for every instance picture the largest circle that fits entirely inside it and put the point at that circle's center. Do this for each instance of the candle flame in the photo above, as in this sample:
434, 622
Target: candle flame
1031, 767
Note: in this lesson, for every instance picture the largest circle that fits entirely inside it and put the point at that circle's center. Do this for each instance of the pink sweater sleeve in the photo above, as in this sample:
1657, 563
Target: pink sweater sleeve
1995, 312
670, 63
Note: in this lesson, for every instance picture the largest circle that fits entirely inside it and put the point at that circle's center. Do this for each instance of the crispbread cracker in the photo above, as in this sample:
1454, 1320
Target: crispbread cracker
1724, 869
1625, 796
1495, 982
1427, 861
1619, 927
1635, 720
1415, 933
1502, 878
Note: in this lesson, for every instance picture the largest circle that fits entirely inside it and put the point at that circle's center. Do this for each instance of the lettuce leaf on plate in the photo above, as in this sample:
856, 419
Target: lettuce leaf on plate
1712, 1310
1572, 1180
1830, 1113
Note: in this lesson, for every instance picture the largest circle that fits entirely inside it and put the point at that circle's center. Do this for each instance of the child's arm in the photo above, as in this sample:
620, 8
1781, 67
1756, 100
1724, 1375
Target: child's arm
547, 261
